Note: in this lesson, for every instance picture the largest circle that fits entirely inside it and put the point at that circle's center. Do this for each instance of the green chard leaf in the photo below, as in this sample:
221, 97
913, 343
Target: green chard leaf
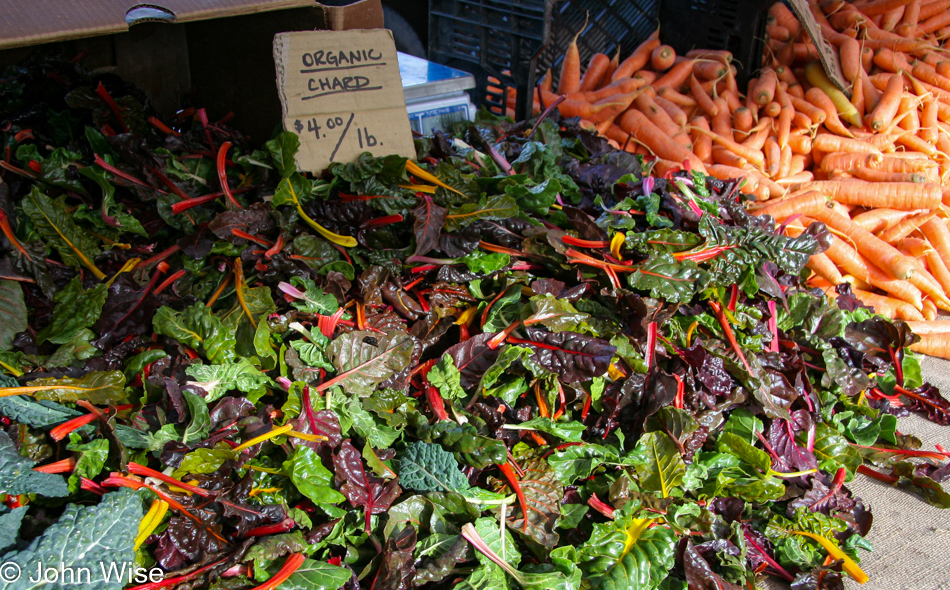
13, 317
55, 225
365, 359
99, 387
75, 309
217, 380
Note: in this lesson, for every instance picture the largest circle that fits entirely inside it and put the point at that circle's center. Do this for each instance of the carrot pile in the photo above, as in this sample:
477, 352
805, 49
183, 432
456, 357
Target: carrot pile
873, 167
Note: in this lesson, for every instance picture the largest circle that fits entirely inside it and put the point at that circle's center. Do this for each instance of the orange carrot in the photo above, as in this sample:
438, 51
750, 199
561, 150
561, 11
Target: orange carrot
882, 6
662, 58
547, 81
850, 55
884, 255
638, 59
803, 204
754, 156
581, 108
937, 345
887, 107
893, 195
570, 78
816, 114
710, 70
659, 117
676, 98
676, 76
936, 232
702, 144
784, 17
888, 306
832, 143
928, 121
661, 144
873, 175
878, 220
765, 88
596, 69
773, 156
742, 119
932, 327
907, 226
705, 102
800, 143
821, 100
891, 18
611, 68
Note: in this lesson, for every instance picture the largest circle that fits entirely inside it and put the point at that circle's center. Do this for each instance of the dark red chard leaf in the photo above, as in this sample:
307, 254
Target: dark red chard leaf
127, 312
543, 492
436, 569
709, 369
821, 578
927, 400
397, 570
325, 423
789, 456
548, 287
699, 574
846, 300
472, 358
571, 356
642, 397
428, 225
362, 488
197, 245
460, 243
255, 220
880, 340
229, 410
584, 224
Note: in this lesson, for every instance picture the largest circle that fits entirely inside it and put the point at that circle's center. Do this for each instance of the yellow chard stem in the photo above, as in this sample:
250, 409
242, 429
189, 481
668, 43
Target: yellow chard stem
834, 551
266, 436
151, 521
343, 241
11, 369
28, 389
414, 168
239, 285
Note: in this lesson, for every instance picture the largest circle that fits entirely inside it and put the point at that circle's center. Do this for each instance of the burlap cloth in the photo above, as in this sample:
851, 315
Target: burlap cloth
911, 538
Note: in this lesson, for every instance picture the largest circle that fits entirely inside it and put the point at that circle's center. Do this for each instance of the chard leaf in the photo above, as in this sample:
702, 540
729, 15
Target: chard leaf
557, 315
317, 575
571, 356
509, 355
55, 225
535, 199
314, 300
666, 278
366, 359
312, 479
378, 435
17, 475
427, 227
92, 458
489, 207
734, 445
122, 220
625, 554
198, 328
217, 380
283, 149
427, 467
100, 388
833, 451
570, 431
200, 424
13, 318
445, 377
362, 489
98, 538
579, 462
543, 493
664, 467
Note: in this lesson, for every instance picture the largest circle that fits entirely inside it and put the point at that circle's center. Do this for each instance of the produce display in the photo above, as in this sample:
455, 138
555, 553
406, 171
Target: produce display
517, 363
874, 168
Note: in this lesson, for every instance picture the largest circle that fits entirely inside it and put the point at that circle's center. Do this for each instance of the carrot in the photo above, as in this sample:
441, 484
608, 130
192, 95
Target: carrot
932, 8
818, 98
754, 156
914, 143
888, 306
931, 327
765, 88
611, 68
937, 345
930, 309
895, 163
822, 266
802, 204
882, 6
724, 172
891, 18
673, 110
705, 102
816, 114
936, 232
596, 70
662, 58
850, 55
883, 254
938, 21
800, 143
773, 156
760, 132
877, 220
796, 172
702, 144
928, 121
621, 86
570, 78
581, 108
710, 69
857, 98
923, 250
638, 59
784, 17
785, 162
872, 175
907, 226
547, 81
893, 195
659, 117
887, 107
817, 78
676, 76
676, 97
661, 144
742, 120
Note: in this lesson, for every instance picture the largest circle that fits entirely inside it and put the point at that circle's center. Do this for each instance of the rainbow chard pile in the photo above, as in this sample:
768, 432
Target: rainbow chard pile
519, 363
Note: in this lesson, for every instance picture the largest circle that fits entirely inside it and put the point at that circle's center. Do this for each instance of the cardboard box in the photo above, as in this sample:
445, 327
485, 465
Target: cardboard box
215, 54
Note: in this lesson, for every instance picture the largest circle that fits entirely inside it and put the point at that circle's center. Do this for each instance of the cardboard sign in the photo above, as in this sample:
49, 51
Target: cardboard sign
342, 95
826, 54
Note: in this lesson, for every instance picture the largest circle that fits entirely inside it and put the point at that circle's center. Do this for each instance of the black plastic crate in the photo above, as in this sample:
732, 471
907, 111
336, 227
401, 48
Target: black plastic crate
736, 25
507, 45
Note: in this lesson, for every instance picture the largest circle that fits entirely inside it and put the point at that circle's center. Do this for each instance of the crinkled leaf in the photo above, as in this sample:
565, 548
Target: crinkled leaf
535, 199
282, 150
445, 377
362, 489
666, 278
312, 479
10, 527
96, 537
427, 467
317, 575
199, 328
314, 300
17, 475
427, 227
55, 225
543, 492
200, 424
664, 468
571, 356
489, 207
570, 431
557, 315
13, 318
91, 460
626, 555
